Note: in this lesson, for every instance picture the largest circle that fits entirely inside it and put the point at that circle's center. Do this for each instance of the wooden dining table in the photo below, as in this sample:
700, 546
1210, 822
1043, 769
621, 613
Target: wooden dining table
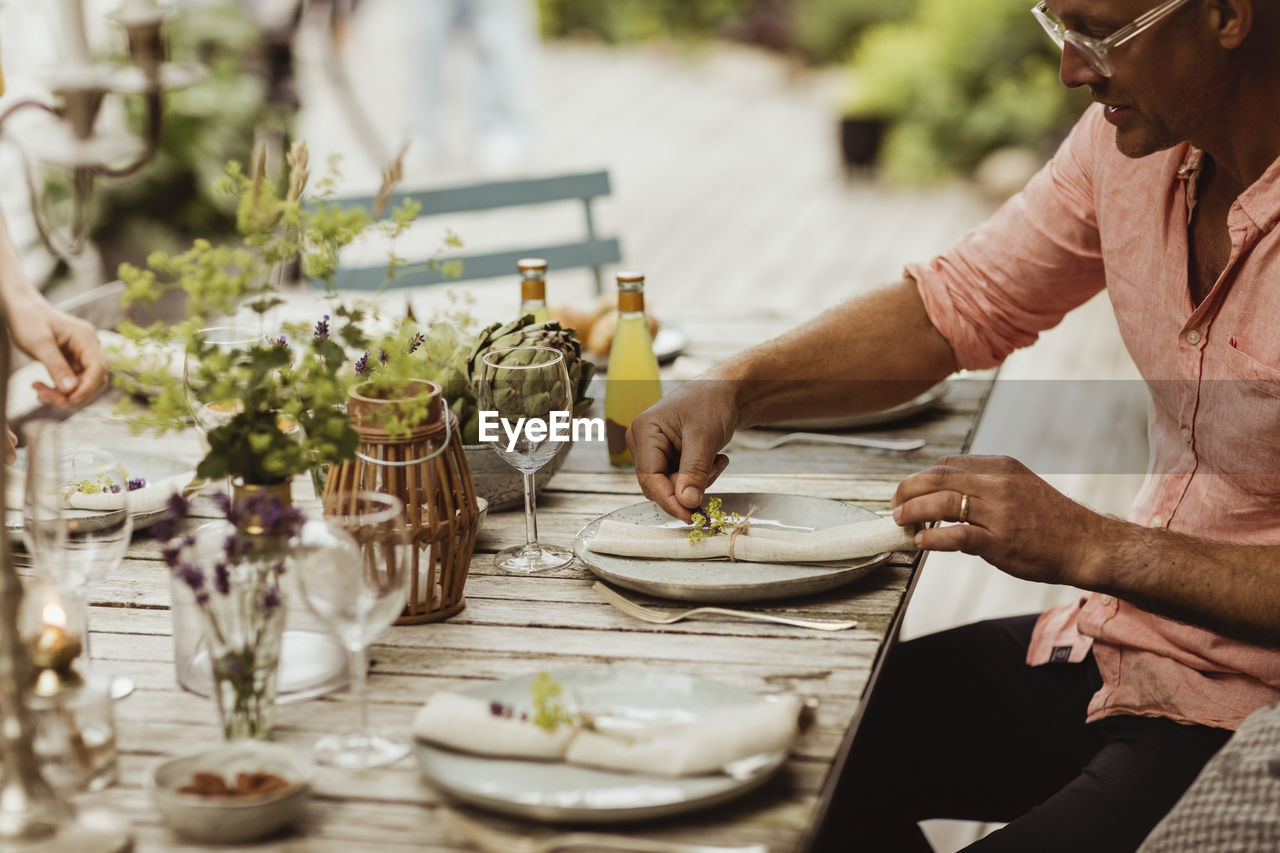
517, 625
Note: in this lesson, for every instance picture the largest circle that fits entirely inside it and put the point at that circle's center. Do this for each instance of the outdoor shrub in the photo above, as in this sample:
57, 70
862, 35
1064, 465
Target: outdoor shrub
958, 80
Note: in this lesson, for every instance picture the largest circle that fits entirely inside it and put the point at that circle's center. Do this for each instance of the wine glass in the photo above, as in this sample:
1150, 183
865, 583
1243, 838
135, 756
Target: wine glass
530, 383
211, 414
76, 522
352, 567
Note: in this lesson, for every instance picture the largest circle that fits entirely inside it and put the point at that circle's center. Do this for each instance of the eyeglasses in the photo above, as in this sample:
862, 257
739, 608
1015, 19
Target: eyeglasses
1095, 50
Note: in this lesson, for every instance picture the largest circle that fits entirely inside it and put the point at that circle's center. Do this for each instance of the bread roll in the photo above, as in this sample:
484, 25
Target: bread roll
602, 331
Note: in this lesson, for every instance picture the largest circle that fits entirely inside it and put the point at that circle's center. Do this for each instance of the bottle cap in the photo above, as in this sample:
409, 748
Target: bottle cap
627, 276
531, 265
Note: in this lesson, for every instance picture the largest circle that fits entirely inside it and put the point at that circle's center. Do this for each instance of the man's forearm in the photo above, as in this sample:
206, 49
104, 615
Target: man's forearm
867, 353
1233, 590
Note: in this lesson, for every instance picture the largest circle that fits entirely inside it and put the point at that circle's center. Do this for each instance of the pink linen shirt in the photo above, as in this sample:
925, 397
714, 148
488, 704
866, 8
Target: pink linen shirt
1093, 218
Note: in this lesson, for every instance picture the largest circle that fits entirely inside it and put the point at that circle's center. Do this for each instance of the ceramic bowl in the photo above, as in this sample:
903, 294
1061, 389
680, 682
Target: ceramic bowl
228, 820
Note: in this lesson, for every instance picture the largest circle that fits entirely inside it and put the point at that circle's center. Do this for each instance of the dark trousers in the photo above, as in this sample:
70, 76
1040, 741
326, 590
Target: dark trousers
960, 727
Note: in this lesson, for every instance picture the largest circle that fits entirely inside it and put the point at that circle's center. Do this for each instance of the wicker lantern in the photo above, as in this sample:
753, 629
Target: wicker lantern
425, 467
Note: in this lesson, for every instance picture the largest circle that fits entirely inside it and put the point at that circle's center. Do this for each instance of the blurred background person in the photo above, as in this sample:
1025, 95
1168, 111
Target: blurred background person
502, 40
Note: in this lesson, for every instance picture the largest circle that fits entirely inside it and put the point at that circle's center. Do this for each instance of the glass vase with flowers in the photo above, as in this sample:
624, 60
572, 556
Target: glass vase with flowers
234, 569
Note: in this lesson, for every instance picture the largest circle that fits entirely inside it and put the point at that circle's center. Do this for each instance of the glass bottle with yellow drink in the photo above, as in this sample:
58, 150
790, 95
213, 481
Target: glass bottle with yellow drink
533, 288
632, 381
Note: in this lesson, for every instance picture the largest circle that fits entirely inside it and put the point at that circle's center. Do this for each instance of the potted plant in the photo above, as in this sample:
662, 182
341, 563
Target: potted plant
277, 399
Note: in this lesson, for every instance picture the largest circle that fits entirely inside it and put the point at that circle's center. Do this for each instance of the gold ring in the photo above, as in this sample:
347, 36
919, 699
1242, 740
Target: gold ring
964, 509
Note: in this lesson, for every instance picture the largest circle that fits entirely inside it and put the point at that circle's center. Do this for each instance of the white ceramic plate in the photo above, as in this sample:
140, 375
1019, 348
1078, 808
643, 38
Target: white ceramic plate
667, 344
720, 580
139, 463
619, 696
902, 411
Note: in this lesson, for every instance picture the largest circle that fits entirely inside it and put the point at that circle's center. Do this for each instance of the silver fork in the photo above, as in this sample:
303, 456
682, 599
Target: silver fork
757, 441
666, 617
498, 841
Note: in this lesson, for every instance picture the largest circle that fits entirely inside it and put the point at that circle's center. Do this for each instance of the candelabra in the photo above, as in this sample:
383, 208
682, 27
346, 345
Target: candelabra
33, 817
80, 85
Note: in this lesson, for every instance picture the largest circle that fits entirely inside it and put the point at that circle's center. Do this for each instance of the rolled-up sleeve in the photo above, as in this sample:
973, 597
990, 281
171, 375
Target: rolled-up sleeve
1034, 260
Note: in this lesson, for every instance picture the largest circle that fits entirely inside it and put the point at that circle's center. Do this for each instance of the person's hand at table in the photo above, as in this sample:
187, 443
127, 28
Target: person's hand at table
67, 346
1007, 515
676, 445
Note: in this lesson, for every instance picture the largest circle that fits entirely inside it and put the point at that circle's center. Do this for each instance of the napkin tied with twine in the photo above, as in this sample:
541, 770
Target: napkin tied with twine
150, 498
703, 745
756, 543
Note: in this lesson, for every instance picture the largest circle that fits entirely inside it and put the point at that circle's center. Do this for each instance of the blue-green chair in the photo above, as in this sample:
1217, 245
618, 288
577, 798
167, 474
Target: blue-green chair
591, 251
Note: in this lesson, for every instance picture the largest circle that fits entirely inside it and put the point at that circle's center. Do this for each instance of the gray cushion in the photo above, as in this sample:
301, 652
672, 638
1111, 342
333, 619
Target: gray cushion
1234, 804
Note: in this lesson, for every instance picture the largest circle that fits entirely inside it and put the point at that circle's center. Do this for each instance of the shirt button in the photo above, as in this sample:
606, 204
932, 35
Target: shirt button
1186, 434
1193, 337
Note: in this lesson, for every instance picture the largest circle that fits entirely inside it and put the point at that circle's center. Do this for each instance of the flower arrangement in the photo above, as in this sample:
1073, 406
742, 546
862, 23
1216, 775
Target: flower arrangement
281, 397
235, 579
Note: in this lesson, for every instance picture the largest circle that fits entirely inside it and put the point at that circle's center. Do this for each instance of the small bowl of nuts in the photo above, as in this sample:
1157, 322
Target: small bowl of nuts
237, 792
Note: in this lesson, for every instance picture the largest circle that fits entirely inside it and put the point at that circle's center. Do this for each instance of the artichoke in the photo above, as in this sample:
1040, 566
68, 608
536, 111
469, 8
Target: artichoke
462, 366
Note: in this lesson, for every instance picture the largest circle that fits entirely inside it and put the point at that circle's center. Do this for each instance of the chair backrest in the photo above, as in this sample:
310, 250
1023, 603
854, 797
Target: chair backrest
590, 251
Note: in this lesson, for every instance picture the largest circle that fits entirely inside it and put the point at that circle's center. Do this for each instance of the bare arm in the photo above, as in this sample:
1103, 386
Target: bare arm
65, 345
867, 353
1021, 525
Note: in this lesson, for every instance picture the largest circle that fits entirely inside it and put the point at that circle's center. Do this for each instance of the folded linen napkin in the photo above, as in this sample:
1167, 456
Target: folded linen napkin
704, 745
756, 544
470, 724
150, 498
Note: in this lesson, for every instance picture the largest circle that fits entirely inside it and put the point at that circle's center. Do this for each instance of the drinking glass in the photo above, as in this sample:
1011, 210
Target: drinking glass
211, 414
76, 522
530, 383
352, 567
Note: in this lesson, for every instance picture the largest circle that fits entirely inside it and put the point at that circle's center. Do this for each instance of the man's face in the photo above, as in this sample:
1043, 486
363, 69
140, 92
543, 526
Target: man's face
1157, 96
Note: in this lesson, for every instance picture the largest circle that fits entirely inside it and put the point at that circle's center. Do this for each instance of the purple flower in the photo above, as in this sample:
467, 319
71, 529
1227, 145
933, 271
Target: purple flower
418, 340
114, 488
175, 509
282, 342
138, 483
222, 579
382, 356
270, 600
362, 366
322, 328
192, 575
266, 511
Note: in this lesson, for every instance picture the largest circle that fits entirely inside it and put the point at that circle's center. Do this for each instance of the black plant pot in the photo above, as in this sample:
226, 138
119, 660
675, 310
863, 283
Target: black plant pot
860, 139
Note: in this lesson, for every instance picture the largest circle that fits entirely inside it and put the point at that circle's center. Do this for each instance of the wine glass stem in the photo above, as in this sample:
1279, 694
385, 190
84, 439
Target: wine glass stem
530, 516
358, 666
79, 601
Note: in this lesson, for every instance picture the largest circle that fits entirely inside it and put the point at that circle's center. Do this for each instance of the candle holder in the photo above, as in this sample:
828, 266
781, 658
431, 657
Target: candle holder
73, 141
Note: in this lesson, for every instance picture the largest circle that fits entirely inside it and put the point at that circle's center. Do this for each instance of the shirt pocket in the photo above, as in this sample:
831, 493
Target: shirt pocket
1236, 430
1258, 376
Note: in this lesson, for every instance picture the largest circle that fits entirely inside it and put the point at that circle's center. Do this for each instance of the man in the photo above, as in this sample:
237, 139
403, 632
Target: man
1082, 727
65, 345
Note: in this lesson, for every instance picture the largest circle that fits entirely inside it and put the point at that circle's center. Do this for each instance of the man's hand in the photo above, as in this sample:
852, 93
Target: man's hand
1016, 521
676, 444
67, 346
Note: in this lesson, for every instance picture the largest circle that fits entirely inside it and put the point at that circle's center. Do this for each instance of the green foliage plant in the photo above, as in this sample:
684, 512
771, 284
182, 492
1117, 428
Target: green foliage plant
624, 21
287, 393
958, 80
